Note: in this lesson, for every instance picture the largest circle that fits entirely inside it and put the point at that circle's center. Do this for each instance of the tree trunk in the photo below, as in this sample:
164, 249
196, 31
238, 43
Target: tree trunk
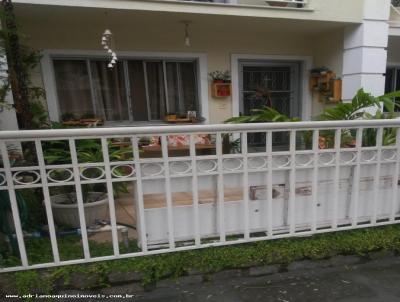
17, 73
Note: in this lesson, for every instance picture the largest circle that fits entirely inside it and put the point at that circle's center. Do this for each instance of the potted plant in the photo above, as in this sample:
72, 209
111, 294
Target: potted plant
68, 116
227, 76
171, 116
342, 111
89, 119
219, 76
95, 200
66, 213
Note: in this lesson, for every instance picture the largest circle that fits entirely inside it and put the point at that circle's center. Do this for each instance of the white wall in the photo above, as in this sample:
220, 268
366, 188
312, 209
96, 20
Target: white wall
365, 54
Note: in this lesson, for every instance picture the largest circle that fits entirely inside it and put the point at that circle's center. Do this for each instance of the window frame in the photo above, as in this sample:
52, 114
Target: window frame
49, 80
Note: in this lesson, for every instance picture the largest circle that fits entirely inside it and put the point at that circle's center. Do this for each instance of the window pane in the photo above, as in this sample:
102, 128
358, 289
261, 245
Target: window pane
182, 87
398, 80
188, 86
73, 88
389, 80
110, 93
397, 88
138, 90
155, 83
173, 88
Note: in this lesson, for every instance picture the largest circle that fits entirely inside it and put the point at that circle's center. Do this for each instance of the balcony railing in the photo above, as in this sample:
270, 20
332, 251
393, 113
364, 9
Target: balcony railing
149, 190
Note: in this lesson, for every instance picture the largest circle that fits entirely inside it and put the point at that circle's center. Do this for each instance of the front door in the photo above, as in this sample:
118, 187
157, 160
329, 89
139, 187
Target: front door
269, 83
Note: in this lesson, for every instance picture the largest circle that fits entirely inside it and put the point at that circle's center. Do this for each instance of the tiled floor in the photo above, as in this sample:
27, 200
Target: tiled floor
125, 214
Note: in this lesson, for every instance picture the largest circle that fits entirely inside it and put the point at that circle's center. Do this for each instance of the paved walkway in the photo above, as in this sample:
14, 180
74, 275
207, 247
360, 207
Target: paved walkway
375, 281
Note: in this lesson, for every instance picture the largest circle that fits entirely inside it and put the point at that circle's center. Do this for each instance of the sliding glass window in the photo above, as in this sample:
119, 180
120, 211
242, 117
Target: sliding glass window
73, 88
134, 90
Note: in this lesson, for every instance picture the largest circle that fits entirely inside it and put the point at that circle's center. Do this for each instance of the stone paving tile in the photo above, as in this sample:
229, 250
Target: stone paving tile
372, 282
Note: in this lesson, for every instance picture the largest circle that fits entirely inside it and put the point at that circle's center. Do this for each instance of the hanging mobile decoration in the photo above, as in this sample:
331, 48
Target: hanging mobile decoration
187, 36
106, 42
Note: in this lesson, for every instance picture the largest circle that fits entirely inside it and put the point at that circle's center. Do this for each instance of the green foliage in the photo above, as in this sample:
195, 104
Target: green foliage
30, 281
342, 111
362, 100
356, 110
88, 151
40, 118
170, 265
22, 61
264, 115
220, 75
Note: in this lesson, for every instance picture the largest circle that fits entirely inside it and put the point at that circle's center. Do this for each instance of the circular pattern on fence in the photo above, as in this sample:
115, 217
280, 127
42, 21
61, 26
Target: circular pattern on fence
281, 161
180, 167
115, 171
367, 156
87, 169
232, 164
152, 169
2, 179
326, 159
206, 166
60, 171
304, 160
257, 163
19, 176
347, 157
389, 155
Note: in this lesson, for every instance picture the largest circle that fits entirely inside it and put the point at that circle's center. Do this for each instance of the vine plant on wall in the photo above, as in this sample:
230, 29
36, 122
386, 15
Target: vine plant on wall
21, 60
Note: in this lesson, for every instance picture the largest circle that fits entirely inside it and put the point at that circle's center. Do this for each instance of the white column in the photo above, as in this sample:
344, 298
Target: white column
365, 51
8, 116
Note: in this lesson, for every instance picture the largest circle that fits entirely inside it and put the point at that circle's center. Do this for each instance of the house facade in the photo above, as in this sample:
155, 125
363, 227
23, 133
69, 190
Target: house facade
158, 189
166, 49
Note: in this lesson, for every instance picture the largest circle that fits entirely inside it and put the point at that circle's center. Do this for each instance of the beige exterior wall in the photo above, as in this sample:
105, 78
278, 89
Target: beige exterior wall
218, 38
328, 49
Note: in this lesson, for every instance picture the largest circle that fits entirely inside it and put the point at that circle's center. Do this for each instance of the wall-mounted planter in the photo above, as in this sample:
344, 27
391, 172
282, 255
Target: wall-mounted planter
221, 90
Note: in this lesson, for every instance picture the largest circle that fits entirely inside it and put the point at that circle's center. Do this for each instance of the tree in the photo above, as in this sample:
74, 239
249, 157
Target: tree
21, 60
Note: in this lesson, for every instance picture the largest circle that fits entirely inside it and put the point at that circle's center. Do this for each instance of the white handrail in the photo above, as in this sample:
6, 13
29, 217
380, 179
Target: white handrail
210, 128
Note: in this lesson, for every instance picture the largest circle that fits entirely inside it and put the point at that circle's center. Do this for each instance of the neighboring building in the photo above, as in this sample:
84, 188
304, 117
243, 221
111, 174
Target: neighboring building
263, 46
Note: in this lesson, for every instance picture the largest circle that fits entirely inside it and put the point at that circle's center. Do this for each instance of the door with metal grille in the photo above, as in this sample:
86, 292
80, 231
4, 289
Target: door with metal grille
274, 84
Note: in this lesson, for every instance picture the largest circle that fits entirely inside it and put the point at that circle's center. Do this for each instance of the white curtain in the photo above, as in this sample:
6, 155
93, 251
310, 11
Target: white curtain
156, 91
109, 91
73, 87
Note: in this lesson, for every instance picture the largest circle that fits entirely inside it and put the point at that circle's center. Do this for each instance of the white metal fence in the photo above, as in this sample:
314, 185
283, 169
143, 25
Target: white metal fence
199, 186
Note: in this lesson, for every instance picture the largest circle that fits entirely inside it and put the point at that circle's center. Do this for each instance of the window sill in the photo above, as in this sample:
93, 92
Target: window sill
141, 124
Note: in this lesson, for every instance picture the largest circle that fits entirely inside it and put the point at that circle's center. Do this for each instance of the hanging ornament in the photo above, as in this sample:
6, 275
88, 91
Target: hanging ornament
107, 42
187, 37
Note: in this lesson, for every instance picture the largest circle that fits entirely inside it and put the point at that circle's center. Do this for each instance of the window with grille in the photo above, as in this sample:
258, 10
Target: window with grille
393, 83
